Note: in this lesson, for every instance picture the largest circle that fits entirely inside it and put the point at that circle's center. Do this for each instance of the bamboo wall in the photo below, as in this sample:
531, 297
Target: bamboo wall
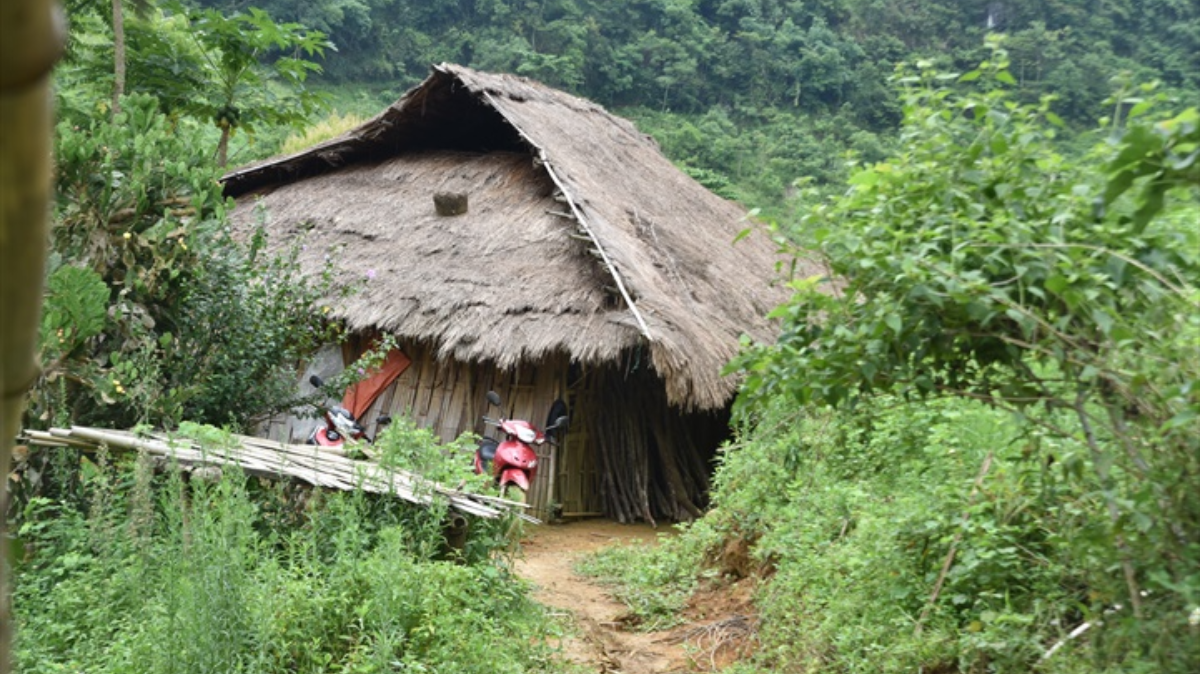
450, 397
654, 461
627, 454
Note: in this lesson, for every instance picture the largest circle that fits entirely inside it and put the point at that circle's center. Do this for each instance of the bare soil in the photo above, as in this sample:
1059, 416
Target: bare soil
718, 628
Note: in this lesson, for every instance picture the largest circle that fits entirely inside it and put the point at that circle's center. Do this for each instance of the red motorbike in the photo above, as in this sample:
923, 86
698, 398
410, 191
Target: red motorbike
340, 424
513, 461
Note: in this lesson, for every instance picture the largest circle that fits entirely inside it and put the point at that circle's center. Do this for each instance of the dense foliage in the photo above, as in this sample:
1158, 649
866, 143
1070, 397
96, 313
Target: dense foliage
145, 571
239, 74
690, 55
976, 450
747, 95
979, 453
776, 90
154, 312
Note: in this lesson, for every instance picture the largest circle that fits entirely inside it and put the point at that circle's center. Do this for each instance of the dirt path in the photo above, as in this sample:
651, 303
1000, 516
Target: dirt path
599, 645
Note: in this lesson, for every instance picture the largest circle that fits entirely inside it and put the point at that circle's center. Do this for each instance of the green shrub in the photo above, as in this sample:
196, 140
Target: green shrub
983, 264
979, 454
654, 583
165, 573
142, 262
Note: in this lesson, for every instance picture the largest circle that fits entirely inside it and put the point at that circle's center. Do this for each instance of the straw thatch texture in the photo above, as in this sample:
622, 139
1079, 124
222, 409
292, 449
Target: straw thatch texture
502, 281
580, 236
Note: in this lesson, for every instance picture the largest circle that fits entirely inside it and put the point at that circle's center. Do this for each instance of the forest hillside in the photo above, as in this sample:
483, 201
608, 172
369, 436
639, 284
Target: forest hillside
752, 95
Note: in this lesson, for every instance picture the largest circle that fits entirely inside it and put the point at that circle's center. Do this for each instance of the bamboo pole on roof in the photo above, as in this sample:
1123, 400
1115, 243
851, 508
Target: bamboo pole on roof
31, 40
609, 265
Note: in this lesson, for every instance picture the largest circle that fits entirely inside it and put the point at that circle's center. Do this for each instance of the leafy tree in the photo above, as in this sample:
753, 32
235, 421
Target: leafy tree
983, 264
758, 52
237, 72
234, 85
753, 58
154, 312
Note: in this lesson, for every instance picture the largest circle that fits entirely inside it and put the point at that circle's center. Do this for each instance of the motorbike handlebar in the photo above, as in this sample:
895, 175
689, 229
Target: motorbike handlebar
547, 437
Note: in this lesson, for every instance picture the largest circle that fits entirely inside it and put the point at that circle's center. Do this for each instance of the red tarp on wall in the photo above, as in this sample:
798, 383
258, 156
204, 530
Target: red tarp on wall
359, 397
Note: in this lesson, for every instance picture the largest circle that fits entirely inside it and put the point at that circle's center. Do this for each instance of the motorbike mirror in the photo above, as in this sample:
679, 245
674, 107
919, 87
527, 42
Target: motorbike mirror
316, 381
560, 422
493, 398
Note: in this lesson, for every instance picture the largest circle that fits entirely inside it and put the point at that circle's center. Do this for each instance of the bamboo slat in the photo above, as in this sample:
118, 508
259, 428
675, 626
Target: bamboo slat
454, 414
425, 385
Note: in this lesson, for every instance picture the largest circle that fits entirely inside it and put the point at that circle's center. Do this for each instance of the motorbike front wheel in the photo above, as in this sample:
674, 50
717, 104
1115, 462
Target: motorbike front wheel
514, 493
516, 530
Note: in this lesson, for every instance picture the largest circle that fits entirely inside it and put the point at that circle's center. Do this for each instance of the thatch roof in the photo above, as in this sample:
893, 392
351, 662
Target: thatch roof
580, 236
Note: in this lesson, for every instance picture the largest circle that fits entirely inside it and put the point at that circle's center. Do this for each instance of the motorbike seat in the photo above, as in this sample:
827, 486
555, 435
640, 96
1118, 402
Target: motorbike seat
487, 451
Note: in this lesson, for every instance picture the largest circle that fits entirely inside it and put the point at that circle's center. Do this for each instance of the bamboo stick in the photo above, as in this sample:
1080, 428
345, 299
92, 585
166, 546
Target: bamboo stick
31, 39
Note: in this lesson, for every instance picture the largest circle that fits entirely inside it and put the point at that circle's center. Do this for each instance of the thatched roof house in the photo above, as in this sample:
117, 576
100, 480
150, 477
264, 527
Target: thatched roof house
583, 255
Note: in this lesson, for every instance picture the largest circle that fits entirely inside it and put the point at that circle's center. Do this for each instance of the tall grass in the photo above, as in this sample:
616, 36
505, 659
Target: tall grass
852, 517
332, 126
170, 574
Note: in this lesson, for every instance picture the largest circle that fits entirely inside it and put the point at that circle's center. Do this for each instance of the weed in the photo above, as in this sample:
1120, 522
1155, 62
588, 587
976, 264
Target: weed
655, 583
852, 517
172, 574
330, 127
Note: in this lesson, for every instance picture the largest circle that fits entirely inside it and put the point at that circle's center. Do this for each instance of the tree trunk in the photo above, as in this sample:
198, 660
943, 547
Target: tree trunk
31, 39
118, 56
223, 145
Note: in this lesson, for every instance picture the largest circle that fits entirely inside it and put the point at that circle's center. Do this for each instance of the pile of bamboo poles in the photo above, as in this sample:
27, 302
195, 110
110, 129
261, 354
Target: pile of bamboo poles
653, 461
319, 466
